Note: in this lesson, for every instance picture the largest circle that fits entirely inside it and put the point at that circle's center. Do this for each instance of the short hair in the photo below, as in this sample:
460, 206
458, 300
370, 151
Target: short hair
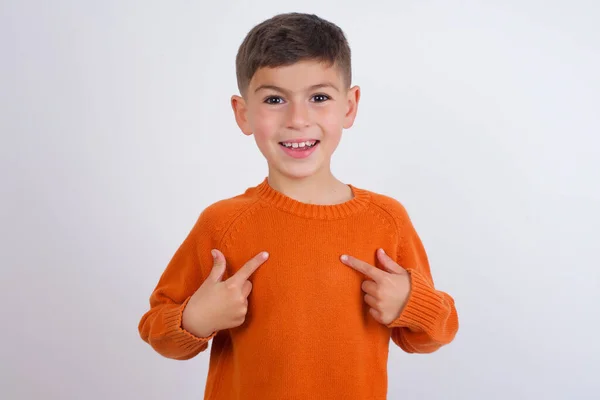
286, 39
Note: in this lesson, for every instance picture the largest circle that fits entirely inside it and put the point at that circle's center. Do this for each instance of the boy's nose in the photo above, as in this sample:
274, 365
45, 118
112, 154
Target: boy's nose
298, 116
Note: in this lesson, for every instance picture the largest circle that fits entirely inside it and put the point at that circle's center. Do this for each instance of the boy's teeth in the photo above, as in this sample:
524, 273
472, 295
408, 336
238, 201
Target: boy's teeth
296, 145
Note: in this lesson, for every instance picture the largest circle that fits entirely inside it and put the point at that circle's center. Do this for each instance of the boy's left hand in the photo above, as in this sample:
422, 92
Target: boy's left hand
387, 292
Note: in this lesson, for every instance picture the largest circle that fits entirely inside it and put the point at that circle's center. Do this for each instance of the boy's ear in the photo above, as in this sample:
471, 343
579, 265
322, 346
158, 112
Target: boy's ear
353, 98
240, 111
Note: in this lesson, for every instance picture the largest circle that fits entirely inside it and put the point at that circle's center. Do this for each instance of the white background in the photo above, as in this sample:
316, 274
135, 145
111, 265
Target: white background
481, 117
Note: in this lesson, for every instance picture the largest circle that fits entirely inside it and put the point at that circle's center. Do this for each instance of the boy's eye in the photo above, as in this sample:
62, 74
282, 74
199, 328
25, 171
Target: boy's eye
319, 98
273, 100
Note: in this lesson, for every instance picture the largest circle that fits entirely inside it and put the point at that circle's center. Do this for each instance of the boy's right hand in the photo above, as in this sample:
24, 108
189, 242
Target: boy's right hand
218, 305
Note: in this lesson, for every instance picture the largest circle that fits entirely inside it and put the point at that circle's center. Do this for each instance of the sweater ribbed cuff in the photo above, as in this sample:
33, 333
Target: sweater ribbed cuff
423, 307
174, 330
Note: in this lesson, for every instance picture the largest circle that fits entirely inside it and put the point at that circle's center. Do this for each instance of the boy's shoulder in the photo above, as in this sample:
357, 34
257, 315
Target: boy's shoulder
388, 204
390, 208
222, 212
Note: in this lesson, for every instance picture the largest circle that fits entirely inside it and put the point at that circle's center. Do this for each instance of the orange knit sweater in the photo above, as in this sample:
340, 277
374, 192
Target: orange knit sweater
307, 333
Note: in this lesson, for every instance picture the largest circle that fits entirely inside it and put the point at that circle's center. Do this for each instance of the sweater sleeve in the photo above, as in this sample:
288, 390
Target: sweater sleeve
429, 319
161, 326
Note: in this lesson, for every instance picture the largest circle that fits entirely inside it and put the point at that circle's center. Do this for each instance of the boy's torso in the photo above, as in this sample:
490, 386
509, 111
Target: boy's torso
308, 329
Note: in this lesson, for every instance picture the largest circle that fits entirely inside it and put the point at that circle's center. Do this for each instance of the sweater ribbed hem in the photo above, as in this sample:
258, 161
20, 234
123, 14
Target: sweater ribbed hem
176, 332
359, 201
423, 307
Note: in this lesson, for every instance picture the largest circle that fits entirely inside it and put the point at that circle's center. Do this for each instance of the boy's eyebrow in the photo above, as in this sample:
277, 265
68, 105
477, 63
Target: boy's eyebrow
313, 87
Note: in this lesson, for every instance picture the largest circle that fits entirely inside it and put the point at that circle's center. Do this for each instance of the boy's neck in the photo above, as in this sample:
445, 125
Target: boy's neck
318, 189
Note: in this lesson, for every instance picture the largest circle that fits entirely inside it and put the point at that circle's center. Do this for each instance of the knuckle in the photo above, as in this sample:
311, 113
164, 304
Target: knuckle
218, 265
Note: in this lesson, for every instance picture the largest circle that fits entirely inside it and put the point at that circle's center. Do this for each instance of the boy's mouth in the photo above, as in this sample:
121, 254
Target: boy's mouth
300, 146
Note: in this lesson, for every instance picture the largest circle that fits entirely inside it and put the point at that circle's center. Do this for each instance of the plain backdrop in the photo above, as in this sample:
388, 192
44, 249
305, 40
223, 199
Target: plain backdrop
481, 117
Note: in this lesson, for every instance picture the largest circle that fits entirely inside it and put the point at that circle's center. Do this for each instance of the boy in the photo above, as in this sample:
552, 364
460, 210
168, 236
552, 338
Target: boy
309, 278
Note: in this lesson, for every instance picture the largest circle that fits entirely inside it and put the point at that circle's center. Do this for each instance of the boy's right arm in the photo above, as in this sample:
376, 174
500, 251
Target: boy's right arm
191, 304
161, 326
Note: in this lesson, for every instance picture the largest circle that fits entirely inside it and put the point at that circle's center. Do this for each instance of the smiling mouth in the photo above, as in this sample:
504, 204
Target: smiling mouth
300, 146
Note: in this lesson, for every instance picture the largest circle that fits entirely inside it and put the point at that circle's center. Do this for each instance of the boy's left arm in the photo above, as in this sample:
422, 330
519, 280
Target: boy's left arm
428, 319
403, 297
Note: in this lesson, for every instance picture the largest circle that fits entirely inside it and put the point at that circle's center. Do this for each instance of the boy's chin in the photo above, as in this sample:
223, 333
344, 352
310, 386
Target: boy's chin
299, 172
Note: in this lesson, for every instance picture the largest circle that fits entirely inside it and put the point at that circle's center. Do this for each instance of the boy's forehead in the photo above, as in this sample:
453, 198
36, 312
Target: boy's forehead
298, 76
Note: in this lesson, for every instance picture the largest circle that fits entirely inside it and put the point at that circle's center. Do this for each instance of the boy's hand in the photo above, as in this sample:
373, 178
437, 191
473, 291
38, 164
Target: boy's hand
387, 292
218, 305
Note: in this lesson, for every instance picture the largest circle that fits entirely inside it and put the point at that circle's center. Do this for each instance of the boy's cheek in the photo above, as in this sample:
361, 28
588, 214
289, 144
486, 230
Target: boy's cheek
265, 128
266, 116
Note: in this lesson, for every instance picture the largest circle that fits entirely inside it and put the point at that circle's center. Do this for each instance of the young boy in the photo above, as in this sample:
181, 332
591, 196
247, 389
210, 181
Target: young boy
309, 277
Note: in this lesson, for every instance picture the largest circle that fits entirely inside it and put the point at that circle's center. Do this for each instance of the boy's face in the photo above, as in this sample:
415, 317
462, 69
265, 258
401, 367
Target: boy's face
307, 103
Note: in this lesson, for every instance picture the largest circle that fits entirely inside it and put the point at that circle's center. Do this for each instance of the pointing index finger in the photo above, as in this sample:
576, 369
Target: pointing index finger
248, 269
372, 272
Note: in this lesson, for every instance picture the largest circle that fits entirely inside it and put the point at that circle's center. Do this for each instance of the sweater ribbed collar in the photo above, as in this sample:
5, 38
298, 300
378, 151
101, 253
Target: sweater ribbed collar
314, 211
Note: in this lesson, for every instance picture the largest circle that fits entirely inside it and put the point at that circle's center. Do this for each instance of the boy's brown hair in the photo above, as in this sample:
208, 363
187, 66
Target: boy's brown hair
288, 38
